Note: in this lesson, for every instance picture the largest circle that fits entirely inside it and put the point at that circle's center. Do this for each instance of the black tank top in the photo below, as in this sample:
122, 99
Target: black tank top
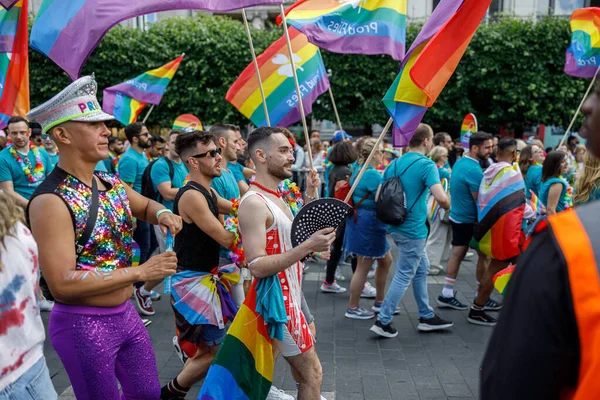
196, 251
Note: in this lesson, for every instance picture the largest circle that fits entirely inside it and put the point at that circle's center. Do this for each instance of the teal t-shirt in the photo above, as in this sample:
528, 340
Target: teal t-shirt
533, 180
545, 189
226, 185
466, 178
416, 181
160, 174
53, 160
131, 168
369, 183
100, 167
10, 170
237, 170
444, 174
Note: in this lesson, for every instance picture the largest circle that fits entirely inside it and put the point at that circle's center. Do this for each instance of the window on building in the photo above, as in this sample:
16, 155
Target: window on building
149, 20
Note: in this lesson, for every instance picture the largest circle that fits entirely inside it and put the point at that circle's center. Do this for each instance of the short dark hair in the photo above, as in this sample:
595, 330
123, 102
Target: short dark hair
220, 130
133, 130
112, 140
552, 164
313, 131
35, 132
157, 139
478, 139
422, 132
506, 144
439, 138
260, 136
16, 119
571, 138
175, 132
343, 153
188, 140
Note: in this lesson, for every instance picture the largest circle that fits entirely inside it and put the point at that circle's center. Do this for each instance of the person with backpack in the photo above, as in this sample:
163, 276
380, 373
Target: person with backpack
408, 179
365, 235
341, 156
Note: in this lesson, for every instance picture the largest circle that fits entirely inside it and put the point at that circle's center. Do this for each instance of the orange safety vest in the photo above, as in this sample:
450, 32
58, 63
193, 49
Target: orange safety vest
578, 235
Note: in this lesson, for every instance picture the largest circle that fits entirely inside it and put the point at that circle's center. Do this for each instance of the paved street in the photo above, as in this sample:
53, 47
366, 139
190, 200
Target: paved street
356, 364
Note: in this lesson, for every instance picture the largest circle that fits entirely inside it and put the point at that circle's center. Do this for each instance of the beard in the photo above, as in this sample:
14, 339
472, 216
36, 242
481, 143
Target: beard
482, 156
145, 145
210, 172
279, 172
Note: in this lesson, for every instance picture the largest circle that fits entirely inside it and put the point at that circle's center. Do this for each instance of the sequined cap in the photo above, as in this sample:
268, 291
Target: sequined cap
77, 102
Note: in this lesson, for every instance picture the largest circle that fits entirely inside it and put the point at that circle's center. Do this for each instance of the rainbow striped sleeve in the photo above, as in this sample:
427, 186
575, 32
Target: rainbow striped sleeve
430, 63
583, 55
278, 83
353, 26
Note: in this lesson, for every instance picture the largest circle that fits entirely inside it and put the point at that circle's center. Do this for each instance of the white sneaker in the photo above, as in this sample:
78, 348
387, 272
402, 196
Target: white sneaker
45, 305
470, 254
182, 356
368, 292
333, 288
339, 276
278, 394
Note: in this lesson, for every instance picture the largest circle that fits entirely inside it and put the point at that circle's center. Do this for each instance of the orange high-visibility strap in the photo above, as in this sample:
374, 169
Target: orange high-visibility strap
585, 292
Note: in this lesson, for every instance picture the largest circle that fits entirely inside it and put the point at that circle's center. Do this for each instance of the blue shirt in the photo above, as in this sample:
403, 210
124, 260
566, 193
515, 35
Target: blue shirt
416, 180
131, 168
545, 190
11, 170
465, 180
226, 185
53, 160
237, 170
444, 174
100, 167
160, 174
369, 183
533, 180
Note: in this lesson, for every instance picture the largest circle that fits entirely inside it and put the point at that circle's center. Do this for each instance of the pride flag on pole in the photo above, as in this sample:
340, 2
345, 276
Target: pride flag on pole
278, 82
583, 55
430, 63
14, 62
126, 100
68, 31
352, 26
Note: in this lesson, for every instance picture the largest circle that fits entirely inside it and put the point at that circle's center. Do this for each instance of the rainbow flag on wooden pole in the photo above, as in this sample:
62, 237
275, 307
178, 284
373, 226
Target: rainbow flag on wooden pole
583, 55
430, 63
126, 100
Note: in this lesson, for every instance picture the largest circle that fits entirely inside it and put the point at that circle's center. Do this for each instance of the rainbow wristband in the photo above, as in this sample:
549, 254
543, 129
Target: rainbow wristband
164, 210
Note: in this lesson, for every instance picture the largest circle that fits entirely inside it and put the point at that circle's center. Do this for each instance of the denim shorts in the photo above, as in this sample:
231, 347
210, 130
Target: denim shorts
212, 335
34, 384
367, 237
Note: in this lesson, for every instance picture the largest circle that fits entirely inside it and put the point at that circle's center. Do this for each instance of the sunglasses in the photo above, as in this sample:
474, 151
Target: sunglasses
44, 137
211, 153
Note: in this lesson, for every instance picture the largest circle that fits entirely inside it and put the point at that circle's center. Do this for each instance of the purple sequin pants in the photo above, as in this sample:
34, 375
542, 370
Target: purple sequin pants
98, 345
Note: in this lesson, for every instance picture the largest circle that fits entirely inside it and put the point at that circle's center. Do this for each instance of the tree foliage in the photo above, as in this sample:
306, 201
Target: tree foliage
511, 75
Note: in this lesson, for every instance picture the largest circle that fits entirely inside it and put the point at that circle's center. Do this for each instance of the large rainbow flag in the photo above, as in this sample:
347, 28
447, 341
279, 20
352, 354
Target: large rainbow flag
278, 82
352, 26
68, 31
583, 55
126, 100
14, 62
500, 211
430, 62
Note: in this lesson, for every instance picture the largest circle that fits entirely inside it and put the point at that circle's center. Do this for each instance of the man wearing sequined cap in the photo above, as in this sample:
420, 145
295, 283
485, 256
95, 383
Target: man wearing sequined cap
82, 222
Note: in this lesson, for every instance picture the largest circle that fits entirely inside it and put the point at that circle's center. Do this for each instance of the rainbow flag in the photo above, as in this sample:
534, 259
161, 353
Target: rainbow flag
502, 278
243, 367
500, 211
68, 31
583, 55
430, 63
7, 4
188, 122
14, 62
535, 203
467, 129
278, 82
352, 26
435, 206
126, 100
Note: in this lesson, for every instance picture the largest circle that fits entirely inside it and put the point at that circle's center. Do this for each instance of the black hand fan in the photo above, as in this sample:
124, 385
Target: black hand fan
317, 215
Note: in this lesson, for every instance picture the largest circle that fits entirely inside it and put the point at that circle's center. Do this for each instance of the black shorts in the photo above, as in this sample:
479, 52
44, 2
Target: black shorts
461, 233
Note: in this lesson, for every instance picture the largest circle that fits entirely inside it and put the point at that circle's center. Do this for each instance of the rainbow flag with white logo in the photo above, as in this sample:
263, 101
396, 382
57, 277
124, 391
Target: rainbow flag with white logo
583, 55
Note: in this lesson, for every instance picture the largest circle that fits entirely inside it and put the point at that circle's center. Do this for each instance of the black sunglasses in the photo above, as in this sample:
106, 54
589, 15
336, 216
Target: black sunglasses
211, 153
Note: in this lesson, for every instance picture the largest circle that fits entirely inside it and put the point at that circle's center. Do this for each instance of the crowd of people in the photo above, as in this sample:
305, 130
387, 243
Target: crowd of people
78, 206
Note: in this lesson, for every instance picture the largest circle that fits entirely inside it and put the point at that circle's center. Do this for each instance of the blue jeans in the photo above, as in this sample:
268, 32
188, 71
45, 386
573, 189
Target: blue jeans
412, 265
34, 384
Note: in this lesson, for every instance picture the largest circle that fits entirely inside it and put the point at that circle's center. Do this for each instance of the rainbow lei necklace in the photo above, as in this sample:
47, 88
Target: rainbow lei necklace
38, 170
290, 193
236, 250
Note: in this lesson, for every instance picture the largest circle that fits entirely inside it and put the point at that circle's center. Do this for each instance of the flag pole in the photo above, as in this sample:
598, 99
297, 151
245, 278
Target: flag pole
256, 68
587, 92
293, 64
337, 115
148, 114
368, 161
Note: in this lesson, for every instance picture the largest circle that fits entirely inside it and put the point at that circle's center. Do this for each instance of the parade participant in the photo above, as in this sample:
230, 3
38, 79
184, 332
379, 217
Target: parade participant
265, 224
580, 153
157, 148
443, 139
115, 150
530, 163
297, 167
315, 134
554, 355
554, 191
318, 160
456, 153
417, 174
199, 331
365, 235
464, 188
51, 150
23, 166
587, 187
440, 234
23, 369
81, 220
237, 168
36, 137
228, 141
